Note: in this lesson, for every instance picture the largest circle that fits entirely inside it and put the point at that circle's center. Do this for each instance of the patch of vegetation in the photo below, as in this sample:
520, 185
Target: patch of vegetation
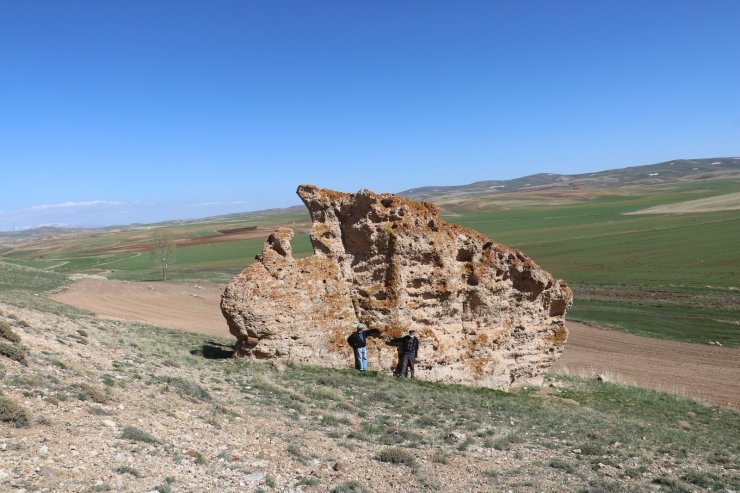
12, 412
349, 487
185, 388
558, 463
503, 442
15, 352
86, 392
7, 332
440, 457
396, 455
308, 481
462, 447
127, 470
99, 411
137, 435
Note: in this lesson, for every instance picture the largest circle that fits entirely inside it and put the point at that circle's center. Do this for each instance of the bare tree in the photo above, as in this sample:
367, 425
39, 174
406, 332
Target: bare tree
163, 251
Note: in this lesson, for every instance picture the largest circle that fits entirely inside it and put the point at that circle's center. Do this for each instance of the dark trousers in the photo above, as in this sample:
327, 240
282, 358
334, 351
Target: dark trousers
407, 365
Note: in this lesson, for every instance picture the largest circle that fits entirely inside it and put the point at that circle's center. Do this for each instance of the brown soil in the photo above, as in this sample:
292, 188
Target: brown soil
187, 306
707, 373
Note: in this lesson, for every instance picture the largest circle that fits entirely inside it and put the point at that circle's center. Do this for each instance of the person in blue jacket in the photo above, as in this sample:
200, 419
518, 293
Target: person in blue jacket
358, 341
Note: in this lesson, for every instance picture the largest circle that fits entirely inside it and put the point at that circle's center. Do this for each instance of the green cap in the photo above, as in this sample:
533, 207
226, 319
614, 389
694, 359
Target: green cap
359, 326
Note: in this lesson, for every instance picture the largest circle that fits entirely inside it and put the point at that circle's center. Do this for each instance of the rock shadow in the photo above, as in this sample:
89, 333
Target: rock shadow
214, 350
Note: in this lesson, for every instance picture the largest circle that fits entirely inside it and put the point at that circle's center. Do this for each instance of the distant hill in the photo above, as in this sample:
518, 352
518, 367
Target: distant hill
666, 172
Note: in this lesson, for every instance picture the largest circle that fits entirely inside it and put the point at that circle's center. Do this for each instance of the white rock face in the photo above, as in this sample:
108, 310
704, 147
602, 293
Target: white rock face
484, 313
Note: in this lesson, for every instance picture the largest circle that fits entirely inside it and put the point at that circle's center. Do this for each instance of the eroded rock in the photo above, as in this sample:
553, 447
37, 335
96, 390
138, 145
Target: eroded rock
484, 313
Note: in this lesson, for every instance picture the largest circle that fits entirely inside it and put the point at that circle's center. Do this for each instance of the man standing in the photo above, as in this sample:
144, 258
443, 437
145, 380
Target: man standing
358, 341
410, 349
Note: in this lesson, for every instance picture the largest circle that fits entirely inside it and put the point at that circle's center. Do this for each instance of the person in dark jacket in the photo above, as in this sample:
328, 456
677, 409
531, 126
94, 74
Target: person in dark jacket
408, 351
358, 341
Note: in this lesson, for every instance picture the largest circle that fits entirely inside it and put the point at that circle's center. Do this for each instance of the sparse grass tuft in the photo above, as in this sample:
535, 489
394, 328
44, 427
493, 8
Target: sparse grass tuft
185, 388
12, 412
7, 332
137, 435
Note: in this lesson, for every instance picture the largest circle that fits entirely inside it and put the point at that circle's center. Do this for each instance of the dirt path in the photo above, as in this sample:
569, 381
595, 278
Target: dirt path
708, 373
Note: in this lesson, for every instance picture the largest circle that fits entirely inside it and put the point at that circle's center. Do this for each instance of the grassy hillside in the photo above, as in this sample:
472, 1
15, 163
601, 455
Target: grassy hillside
146, 408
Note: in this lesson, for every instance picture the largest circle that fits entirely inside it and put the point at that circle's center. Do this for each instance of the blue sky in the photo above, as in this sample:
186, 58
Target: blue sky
134, 111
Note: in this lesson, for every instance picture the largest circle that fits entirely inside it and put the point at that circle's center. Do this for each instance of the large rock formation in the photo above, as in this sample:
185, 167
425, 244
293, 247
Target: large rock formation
484, 313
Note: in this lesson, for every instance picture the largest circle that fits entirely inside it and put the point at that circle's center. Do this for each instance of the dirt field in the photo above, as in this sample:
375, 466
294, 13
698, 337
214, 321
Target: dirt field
727, 202
707, 373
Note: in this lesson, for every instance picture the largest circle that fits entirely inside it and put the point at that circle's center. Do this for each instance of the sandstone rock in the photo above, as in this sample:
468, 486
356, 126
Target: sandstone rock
484, 313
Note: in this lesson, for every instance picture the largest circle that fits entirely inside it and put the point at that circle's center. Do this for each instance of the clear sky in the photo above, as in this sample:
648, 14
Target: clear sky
122, 111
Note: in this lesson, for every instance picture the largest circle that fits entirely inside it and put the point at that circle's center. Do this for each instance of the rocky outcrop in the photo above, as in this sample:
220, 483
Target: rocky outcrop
484, 313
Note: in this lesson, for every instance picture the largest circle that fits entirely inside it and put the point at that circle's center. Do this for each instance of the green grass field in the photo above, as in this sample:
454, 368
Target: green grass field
592, 243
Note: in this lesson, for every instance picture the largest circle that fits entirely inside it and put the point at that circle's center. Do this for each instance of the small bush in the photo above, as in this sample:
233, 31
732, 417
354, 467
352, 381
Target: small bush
99, 411
14, 352
440, 457
165, 487
466, 444
349, 487
86, 392
673, 483
127, 470
7, 332
12, 412
396, 455
503, 442
137, 435
566, 466
308, 481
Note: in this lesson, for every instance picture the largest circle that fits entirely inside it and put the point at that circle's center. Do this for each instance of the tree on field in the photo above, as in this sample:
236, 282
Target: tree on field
163, 251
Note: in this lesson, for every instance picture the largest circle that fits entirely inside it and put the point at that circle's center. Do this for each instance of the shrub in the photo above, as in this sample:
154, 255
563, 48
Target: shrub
308, 481
7, 332
127, 470
99, 411
165, 487
12, 412
467, 443
349, 487
137, 435
566, 466
396, 455
14, 352
440, 458
87, 392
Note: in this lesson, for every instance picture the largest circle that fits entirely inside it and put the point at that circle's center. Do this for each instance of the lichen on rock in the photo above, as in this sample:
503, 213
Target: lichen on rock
484, 313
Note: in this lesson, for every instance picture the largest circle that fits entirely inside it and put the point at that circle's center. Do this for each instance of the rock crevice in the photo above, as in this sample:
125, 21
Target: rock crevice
485, 313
